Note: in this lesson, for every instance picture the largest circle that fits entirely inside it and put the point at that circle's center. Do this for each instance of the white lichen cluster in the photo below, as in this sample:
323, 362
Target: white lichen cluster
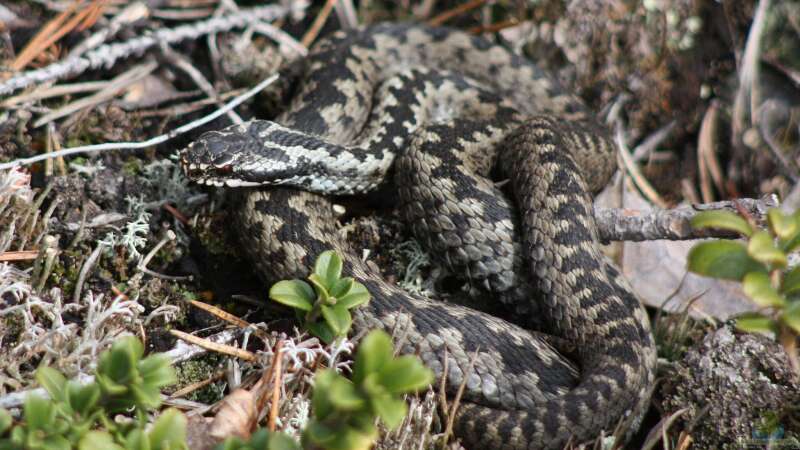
38, 326
133, 236
680, 30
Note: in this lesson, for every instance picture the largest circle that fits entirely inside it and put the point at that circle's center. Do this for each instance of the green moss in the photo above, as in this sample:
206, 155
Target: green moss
199, 370
132, 166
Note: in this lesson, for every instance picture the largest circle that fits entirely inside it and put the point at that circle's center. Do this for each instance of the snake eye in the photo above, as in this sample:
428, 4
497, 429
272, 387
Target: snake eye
224, 170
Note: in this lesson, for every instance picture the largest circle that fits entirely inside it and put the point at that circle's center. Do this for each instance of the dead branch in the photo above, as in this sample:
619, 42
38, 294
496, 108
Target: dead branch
672, 224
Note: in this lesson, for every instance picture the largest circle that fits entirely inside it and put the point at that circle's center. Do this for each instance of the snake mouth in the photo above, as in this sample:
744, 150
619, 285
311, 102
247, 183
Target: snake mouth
214, 175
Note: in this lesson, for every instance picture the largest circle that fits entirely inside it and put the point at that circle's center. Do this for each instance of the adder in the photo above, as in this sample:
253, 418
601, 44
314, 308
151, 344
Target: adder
440, 115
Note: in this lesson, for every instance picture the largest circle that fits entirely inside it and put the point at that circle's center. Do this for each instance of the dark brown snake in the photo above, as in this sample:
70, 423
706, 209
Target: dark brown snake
443, 111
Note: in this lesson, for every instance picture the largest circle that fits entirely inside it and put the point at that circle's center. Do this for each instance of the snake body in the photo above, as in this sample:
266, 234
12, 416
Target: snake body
443, 111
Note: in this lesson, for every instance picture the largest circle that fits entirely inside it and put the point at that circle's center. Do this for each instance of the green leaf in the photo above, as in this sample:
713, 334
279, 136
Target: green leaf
82, 398
322, 331
319, 287
39, 412
337, 438
137, 440
791, 281
5, 420
280, 441
756, 323
109, 386
169, 431
156, 370
374, 351
391, 410
295, 293
404, 374
342, 287
52, 381
357, 295
320, 400
758, 287
338, 318
791, 316
762, 248
57, 443
344, 396
784, 226
319, 434
119, 362
722, 259
328, 268
95, 440
722, 220
147, 397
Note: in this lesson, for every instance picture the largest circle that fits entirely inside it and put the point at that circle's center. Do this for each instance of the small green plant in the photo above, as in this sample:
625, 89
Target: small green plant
260, 440
78, 416
761, 265
345, 411
324, 309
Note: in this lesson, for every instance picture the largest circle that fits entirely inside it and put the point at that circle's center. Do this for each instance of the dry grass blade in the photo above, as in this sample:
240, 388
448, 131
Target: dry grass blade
748, 96
22, 255
457, 11
189, 388
213, 346
659, 432
707, 161
633, 170
316, 26
58, 28
494, 27
276, 374
115, 86
451, 415
226, 316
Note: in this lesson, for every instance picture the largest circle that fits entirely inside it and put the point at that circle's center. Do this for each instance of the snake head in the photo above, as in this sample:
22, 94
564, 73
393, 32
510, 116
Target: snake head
240, 156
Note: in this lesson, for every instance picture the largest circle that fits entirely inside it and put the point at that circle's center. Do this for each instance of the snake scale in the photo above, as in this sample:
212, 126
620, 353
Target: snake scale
444, 113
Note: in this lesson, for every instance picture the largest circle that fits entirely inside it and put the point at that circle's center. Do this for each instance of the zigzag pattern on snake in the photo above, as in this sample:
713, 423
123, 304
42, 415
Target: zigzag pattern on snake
443, 112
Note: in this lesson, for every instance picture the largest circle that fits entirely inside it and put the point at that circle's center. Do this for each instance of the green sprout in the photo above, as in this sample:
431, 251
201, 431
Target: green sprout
324, 308
345, 410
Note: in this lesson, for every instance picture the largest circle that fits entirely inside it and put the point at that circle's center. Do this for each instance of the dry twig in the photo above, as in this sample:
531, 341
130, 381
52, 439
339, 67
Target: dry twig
672, 224
107, 55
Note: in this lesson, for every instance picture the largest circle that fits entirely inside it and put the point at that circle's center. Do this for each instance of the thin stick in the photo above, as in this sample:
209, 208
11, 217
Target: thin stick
452, 414
188, 389
316, 26
22, 255
150, 142
106, 56
117, 85
457, 11
706, 149
276, 386
213, 346
647, 189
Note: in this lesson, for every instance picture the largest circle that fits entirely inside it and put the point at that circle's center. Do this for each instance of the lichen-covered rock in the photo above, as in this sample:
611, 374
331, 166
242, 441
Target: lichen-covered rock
733, 383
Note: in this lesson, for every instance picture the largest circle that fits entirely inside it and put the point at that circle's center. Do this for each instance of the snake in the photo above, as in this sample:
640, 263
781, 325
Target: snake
493, 165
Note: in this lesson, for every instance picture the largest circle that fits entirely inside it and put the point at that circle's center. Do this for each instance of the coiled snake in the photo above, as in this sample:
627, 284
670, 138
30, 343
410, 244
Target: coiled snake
444, 110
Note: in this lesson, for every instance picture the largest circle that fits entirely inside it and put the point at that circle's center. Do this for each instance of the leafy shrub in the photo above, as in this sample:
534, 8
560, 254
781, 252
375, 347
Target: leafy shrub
760, 264
77, 416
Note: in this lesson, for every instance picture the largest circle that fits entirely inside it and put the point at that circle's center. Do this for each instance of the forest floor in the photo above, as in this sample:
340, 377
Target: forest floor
704, 95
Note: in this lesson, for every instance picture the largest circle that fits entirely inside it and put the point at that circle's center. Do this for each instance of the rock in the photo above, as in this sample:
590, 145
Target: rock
732, 384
